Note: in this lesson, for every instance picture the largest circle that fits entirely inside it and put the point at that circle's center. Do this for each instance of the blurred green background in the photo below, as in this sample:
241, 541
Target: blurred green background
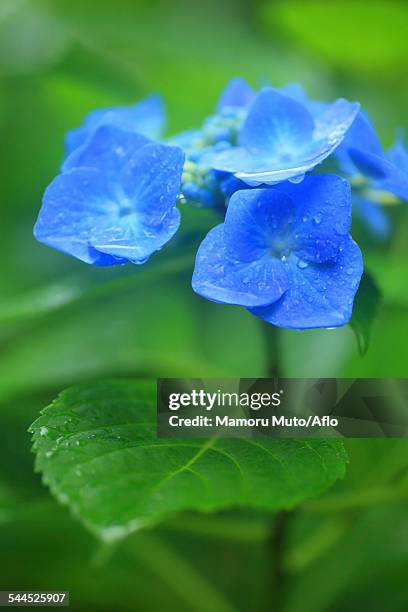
62, 322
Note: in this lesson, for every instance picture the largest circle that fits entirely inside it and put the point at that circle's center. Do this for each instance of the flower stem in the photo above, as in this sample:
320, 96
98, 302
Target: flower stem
277, 577
277, 541
270, 334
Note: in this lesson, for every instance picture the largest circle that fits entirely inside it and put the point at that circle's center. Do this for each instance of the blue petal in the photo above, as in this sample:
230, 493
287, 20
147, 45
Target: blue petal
130, 239
319, 295
146, 117
105, 219
254, 220
151, 181
332, 125
373, 166
398, 156
362, 136
275, 125
373, 216
322, 216
256, 170
147, 193
220, 279
229, 184
277, 143
383, 173
108, 149
237, 93
329, 130
73, 205
296, 91
230, 159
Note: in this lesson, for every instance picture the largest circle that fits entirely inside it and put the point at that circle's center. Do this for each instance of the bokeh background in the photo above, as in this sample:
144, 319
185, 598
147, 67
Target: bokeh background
62, 322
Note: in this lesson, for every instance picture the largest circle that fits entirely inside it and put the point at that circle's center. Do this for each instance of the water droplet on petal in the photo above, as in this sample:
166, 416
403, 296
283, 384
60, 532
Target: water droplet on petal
302, 264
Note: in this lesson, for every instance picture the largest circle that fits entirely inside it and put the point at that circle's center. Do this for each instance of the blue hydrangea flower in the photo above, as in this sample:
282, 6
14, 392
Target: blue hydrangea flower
281, 139
285, 253
146, 117
218, 138
361, 153
115, 201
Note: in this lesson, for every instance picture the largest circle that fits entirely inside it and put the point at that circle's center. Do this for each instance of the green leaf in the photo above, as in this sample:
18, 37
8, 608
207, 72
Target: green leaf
98, 452
365, 310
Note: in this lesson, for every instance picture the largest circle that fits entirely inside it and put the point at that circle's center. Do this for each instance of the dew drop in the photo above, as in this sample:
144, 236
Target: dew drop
302, 264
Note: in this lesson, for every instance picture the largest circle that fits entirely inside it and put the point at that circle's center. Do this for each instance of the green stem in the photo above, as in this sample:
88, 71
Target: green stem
270, 334
277, 542
277, 545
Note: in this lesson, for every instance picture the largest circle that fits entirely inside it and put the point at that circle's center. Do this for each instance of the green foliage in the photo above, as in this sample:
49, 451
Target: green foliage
61, 322
365, 310
97, 449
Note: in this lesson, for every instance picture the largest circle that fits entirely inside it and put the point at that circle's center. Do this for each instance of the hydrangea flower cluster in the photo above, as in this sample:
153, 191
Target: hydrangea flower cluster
283, 249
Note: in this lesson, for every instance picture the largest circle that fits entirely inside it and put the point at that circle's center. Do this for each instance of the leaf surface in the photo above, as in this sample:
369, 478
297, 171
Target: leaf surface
364, 311
97, 450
